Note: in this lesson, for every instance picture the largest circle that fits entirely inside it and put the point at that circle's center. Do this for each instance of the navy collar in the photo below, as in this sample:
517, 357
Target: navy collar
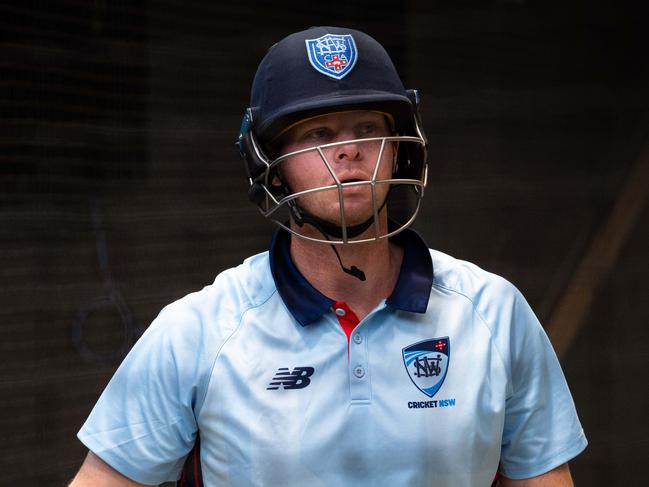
307, 304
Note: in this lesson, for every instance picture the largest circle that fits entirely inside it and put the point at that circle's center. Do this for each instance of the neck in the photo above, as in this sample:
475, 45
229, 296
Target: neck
380, 260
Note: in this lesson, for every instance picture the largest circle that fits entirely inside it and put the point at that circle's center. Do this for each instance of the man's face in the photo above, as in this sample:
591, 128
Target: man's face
350, 162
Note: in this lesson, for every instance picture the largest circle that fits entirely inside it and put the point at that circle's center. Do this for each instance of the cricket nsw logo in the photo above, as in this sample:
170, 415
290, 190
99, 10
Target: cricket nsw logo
332, 55
427, 363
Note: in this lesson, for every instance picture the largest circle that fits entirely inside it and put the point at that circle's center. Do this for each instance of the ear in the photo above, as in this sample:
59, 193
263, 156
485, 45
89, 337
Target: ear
277, 180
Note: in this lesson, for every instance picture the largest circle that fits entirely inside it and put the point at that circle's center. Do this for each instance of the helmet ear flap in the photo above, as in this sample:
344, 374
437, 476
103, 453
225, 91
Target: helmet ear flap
254, 160
256, 193
411, 158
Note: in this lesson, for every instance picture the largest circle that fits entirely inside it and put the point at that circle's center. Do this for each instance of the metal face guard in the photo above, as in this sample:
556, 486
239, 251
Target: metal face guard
276, 203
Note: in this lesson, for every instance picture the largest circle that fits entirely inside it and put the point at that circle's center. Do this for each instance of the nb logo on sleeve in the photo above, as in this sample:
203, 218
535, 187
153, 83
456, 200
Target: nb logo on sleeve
297, 379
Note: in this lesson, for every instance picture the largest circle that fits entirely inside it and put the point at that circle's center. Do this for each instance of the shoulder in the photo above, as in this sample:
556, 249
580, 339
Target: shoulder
486, 291
495, 301
216, 310
182, 344
193, 329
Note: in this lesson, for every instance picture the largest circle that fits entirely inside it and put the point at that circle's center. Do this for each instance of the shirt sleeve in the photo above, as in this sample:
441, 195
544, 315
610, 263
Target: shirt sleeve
144, 425
541, 430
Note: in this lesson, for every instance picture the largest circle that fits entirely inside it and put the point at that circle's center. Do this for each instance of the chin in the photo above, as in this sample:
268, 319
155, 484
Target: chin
356, 212
351, 218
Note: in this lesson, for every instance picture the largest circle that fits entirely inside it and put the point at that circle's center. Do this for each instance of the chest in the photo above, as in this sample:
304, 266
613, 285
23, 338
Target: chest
407, 399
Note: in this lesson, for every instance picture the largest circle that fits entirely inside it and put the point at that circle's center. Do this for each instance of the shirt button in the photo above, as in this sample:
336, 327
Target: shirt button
340, 312
359, 371
358, 338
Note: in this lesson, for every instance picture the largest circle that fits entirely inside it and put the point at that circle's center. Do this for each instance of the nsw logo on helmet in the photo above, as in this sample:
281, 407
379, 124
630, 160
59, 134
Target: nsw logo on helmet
332, 55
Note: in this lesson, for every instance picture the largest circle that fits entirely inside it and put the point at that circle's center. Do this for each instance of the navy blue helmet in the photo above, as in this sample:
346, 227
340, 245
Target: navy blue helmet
318, 71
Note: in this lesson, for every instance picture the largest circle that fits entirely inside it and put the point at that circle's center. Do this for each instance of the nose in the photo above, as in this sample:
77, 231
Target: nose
349, 151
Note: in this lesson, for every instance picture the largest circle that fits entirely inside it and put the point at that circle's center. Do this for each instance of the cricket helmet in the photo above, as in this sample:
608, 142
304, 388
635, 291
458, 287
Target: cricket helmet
315, 72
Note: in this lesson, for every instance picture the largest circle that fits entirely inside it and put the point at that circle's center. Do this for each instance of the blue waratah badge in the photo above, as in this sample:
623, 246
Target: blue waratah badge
427, 363
332, 55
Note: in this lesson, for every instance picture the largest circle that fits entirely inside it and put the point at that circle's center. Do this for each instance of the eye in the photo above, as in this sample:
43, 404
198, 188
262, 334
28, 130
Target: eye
320, 134
367, 129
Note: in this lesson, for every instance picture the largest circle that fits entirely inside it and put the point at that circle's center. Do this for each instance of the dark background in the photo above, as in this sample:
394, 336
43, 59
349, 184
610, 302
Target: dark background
121, 189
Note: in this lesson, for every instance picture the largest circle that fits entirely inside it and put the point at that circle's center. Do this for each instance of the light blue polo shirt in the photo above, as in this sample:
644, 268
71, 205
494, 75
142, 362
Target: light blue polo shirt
446, 379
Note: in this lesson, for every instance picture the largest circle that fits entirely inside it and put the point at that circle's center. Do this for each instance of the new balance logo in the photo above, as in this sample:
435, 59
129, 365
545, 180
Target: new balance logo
298, 379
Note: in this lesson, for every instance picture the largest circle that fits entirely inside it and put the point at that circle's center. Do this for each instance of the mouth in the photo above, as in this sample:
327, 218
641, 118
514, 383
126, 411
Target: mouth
351, 180
355, 187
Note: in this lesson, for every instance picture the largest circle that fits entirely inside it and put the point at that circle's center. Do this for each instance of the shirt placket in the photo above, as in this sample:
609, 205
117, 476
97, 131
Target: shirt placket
358, 363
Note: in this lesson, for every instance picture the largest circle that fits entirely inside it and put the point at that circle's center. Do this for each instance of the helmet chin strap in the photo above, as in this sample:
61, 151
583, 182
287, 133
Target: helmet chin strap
329, 230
